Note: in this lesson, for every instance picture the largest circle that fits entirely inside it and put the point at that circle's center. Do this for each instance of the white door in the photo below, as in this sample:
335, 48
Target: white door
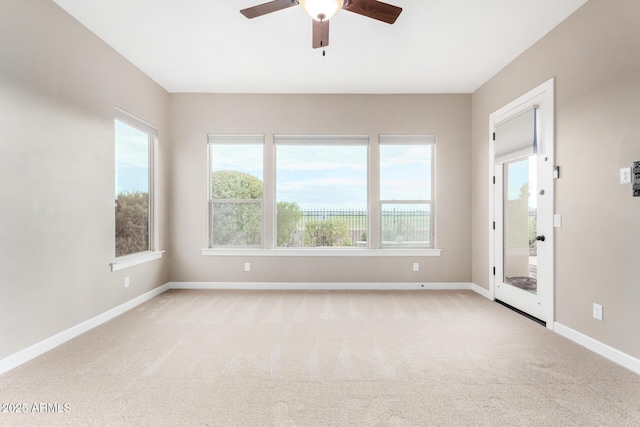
523, 252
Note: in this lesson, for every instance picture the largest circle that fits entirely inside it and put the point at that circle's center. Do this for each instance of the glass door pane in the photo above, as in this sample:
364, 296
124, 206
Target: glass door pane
520, 219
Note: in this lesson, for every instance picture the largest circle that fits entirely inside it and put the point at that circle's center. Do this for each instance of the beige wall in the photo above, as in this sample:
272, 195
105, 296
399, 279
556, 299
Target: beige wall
595, 57
196, 115
59, 85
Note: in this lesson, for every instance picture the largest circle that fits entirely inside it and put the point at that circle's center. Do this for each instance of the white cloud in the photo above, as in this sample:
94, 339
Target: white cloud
404, 161
329, 182
132, 147
403, 155
242, 158
317, 158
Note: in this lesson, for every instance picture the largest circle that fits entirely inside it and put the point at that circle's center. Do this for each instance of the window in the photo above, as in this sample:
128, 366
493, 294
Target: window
134, 142
301, 195
406, 191
236, 183
321, 191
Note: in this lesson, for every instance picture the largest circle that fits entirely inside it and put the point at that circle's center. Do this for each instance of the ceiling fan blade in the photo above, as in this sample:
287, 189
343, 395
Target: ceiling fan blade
272, 6
374, 9
320, 33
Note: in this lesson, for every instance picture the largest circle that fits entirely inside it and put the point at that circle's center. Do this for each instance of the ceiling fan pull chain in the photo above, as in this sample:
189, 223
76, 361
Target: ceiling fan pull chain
322, 41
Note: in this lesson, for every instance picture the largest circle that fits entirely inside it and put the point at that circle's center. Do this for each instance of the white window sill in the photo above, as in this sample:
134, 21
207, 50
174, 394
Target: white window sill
320, 252
136, 259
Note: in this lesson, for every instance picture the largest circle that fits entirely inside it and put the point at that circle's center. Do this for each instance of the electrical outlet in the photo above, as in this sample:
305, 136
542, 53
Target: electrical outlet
247, 266
597, 311
625, 176
126, 281
416, 266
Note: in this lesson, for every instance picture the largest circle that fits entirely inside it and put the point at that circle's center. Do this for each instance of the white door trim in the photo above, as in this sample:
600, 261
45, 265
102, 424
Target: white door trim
544, 97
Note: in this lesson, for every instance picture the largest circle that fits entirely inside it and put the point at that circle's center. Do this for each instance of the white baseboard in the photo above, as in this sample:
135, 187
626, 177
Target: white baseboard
482, 291
50, 343
318, 286
29, 353
54, 341
598, 347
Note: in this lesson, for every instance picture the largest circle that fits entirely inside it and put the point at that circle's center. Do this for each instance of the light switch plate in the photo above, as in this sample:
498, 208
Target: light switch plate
557, 220
597, 311
625, 176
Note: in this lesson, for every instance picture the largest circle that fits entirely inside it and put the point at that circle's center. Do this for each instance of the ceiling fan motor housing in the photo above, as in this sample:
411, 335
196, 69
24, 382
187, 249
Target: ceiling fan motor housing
321, 10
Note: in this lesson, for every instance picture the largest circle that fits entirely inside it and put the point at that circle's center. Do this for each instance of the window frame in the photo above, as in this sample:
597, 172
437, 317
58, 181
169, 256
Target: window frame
240, 139
374, 242
407, 140
330, 140
151, 253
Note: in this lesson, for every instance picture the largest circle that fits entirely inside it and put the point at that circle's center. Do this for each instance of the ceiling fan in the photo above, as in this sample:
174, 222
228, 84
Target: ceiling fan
321, 11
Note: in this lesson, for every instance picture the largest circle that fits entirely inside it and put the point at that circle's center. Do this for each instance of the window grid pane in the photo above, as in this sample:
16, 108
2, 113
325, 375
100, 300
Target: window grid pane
406, 189
236, 223
237, 189
321, 193
406, 225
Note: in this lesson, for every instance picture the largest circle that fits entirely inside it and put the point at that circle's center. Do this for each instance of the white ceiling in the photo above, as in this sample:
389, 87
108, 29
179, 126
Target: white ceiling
435, 46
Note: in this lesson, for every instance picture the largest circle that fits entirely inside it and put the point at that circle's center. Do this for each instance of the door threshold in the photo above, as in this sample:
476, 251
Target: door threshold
527, 315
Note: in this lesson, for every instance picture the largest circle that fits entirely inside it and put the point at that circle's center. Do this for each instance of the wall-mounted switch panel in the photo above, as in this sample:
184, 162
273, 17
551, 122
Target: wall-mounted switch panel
416, 266
636, 179
247, 266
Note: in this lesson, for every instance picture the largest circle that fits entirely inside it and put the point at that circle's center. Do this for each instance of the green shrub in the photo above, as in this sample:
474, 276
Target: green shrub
329, 232
228, 184
288, 214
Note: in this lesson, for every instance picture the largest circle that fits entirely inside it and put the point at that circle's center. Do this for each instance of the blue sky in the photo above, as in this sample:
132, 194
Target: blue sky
333, 176
405, 172
132, 159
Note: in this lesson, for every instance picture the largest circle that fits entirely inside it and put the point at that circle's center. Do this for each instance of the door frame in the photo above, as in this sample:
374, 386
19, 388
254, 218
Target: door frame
543, 97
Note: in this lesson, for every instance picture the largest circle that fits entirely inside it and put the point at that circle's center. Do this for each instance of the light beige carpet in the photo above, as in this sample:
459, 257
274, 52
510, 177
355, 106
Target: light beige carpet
322, 358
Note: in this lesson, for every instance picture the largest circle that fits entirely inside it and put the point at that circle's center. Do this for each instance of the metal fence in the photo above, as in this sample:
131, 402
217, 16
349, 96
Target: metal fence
408, 226
356, 220
398, 225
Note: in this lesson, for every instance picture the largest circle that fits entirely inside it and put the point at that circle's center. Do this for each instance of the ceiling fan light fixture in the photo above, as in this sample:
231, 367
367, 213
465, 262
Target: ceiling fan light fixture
321, 10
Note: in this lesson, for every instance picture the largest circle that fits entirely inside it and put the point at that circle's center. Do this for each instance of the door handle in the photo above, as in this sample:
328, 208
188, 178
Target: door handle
540, 238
